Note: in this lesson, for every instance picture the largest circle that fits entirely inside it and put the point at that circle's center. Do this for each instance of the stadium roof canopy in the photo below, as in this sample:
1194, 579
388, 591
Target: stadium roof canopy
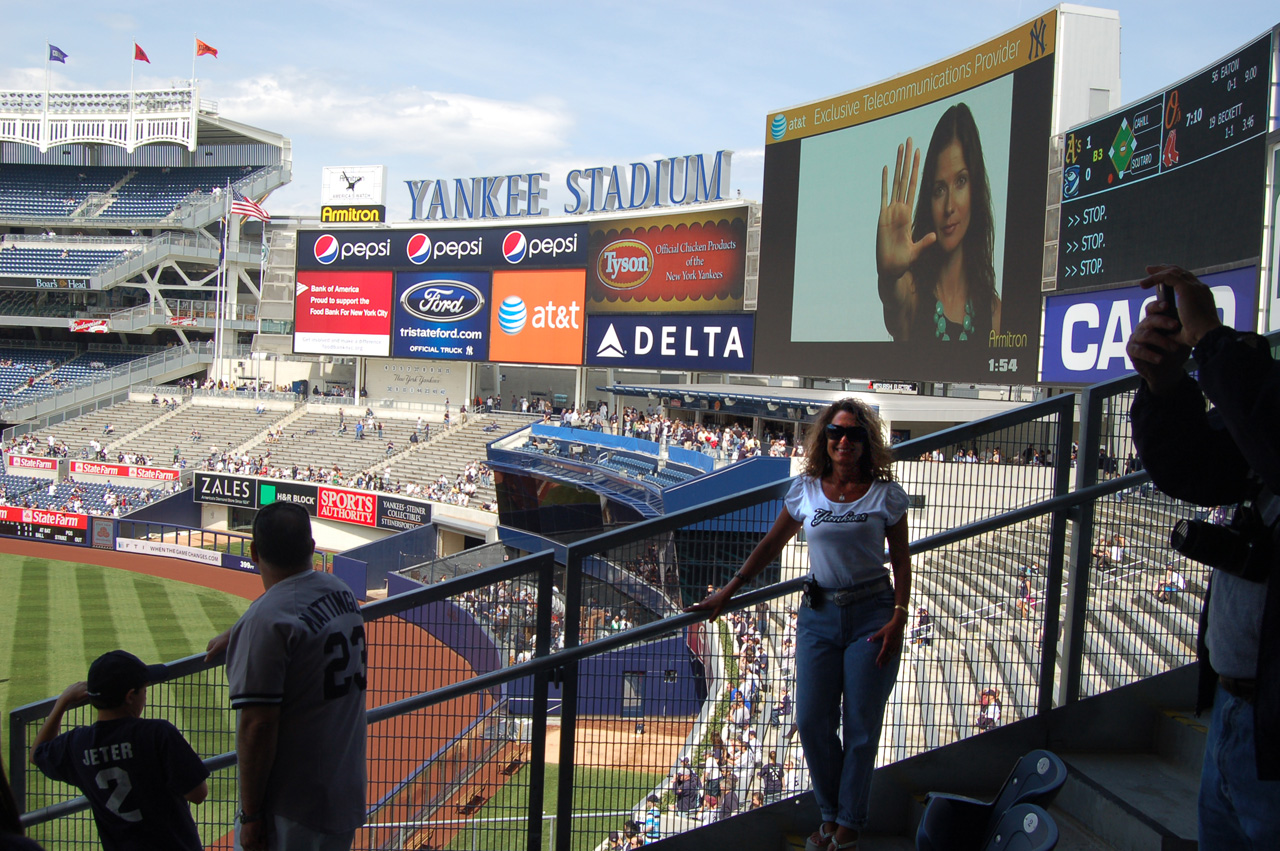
899, 407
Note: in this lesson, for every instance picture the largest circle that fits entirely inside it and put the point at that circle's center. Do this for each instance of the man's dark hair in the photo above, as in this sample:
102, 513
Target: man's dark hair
282, 536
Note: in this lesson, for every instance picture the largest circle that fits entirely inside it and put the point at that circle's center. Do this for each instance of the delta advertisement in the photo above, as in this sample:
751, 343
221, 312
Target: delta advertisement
674, 263
1085, 333
906, 220
694, 342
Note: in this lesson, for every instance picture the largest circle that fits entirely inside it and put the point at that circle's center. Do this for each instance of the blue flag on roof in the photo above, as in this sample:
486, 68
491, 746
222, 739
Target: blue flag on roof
57, 54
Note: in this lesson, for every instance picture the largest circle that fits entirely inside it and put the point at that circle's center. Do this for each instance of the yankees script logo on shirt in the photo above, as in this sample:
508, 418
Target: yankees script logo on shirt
826, 515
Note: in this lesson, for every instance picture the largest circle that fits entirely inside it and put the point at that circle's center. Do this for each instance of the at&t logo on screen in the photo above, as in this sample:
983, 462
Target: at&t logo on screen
539, 316
516, 247
329, 248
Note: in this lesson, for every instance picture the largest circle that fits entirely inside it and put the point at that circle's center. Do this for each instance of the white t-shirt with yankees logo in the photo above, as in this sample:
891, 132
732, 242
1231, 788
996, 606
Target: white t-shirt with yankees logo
846, 539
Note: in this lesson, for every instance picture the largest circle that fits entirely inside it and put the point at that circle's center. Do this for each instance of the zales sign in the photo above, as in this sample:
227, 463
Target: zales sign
669, 182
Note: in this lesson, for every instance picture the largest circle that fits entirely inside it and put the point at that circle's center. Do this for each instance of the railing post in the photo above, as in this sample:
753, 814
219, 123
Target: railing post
1054, 568
18, 761
1080, 561
541, 684
569, 698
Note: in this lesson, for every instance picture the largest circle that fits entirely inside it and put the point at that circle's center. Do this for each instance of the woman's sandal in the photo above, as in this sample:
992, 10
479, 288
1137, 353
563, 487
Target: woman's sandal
851, 845
824, 839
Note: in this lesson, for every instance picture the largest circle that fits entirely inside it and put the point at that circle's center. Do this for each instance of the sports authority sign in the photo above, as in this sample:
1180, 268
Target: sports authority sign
348, 506
125, 471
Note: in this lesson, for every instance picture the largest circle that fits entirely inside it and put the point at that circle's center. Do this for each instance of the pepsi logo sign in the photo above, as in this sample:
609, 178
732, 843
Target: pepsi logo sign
419, 248
326, 248
515, 247
624, 264
442, 301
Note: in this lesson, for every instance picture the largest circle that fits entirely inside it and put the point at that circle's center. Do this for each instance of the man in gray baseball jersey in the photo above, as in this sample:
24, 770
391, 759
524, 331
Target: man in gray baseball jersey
296, 666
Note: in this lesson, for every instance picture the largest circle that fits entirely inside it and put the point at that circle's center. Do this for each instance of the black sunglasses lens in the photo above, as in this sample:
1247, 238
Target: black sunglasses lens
854, 433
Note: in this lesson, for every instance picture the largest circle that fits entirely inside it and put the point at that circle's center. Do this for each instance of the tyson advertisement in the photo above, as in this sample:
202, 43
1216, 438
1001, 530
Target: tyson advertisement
679, 263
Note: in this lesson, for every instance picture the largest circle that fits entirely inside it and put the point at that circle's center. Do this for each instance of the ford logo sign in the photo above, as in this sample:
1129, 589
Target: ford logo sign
442, 301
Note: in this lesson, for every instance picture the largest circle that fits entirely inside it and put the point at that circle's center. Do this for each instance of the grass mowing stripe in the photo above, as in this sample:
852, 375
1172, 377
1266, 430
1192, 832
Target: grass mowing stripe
167, 633
220, 611
97, 620
29, 651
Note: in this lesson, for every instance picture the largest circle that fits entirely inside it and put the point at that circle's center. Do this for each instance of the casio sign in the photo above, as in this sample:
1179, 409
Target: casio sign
442, 301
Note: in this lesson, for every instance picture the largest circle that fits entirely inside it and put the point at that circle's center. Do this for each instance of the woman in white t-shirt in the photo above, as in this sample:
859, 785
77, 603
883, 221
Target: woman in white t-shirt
849, 634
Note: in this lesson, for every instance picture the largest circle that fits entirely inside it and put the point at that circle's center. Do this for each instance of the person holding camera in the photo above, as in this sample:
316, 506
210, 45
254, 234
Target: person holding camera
1230, 454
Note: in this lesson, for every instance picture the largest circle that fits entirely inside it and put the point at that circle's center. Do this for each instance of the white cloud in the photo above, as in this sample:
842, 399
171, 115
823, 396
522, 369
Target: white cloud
117, 21
453, 132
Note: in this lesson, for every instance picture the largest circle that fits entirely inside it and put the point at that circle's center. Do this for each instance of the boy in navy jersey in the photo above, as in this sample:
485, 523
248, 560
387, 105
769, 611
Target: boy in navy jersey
138, 773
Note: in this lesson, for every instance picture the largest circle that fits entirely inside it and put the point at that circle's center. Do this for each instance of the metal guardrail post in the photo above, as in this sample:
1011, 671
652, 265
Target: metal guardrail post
18, 760
541, 685
569, 698
1081, 555
1054, 568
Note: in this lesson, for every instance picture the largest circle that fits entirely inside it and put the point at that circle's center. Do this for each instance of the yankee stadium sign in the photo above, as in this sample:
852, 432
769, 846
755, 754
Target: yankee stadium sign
669, 182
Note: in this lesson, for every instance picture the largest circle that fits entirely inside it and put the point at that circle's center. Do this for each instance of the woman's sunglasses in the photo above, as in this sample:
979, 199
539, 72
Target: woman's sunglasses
856, 434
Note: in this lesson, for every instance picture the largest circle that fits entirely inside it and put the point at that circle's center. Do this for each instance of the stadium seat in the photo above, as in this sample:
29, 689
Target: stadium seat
1024, 827
955, 823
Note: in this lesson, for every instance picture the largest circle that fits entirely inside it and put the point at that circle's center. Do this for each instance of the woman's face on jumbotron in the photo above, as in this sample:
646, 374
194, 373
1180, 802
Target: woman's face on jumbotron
949, 193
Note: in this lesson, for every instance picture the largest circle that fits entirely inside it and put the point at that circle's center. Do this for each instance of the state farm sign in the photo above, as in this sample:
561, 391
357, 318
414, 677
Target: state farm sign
126, 471
28, 462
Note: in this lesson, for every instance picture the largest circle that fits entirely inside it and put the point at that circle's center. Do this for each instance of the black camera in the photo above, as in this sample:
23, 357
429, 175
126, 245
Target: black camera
1242, 548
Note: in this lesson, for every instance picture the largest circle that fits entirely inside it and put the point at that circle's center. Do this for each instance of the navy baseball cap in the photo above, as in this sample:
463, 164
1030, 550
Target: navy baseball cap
113, 675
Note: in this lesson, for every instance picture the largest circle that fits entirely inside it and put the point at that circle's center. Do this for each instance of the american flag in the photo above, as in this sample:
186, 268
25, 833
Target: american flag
242, 206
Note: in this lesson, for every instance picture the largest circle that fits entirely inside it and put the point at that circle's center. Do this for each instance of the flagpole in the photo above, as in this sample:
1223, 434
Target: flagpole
222, 278
44, 129
193, 60
128, 136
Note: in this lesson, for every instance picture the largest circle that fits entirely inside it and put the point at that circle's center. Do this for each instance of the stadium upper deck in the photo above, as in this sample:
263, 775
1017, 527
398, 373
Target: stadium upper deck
111, 218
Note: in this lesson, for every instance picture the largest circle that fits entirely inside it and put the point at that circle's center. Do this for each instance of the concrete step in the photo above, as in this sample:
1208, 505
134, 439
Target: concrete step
1073, 835
867, 842
1134, 802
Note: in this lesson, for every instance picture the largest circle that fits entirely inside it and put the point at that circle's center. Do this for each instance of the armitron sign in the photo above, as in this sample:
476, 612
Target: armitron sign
354, 213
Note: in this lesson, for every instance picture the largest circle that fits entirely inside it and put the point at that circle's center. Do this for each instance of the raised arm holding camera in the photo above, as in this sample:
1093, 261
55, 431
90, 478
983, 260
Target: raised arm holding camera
1227, 455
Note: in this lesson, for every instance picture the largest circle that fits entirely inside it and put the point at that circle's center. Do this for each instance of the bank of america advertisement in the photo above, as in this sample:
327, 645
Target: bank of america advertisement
905, 231
701, 341
671, 263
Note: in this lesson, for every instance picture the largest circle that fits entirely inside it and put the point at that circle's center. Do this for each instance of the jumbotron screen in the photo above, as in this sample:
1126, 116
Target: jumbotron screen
905, 230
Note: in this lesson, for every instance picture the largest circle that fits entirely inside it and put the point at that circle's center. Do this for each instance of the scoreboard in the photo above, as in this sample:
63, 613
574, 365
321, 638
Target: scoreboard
38, 524
1175, 178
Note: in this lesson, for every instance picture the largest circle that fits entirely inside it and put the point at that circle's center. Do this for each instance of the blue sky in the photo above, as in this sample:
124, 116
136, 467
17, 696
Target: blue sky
436, 90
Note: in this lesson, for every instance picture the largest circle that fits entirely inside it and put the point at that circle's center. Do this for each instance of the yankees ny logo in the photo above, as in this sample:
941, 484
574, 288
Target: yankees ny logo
1038, 48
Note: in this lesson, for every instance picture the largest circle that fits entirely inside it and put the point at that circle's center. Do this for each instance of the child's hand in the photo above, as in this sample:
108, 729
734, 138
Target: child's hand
76, 694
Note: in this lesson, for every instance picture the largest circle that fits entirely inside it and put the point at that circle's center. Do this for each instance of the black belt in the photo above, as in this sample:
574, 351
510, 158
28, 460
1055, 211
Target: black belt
854, 593
1242, 689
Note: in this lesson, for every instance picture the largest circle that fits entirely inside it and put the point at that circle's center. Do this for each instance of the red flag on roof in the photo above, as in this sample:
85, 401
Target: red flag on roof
140, 55
202, 49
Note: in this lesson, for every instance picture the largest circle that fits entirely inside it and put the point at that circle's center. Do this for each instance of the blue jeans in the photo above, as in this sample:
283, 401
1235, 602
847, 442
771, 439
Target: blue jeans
1237, 810
834, 660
